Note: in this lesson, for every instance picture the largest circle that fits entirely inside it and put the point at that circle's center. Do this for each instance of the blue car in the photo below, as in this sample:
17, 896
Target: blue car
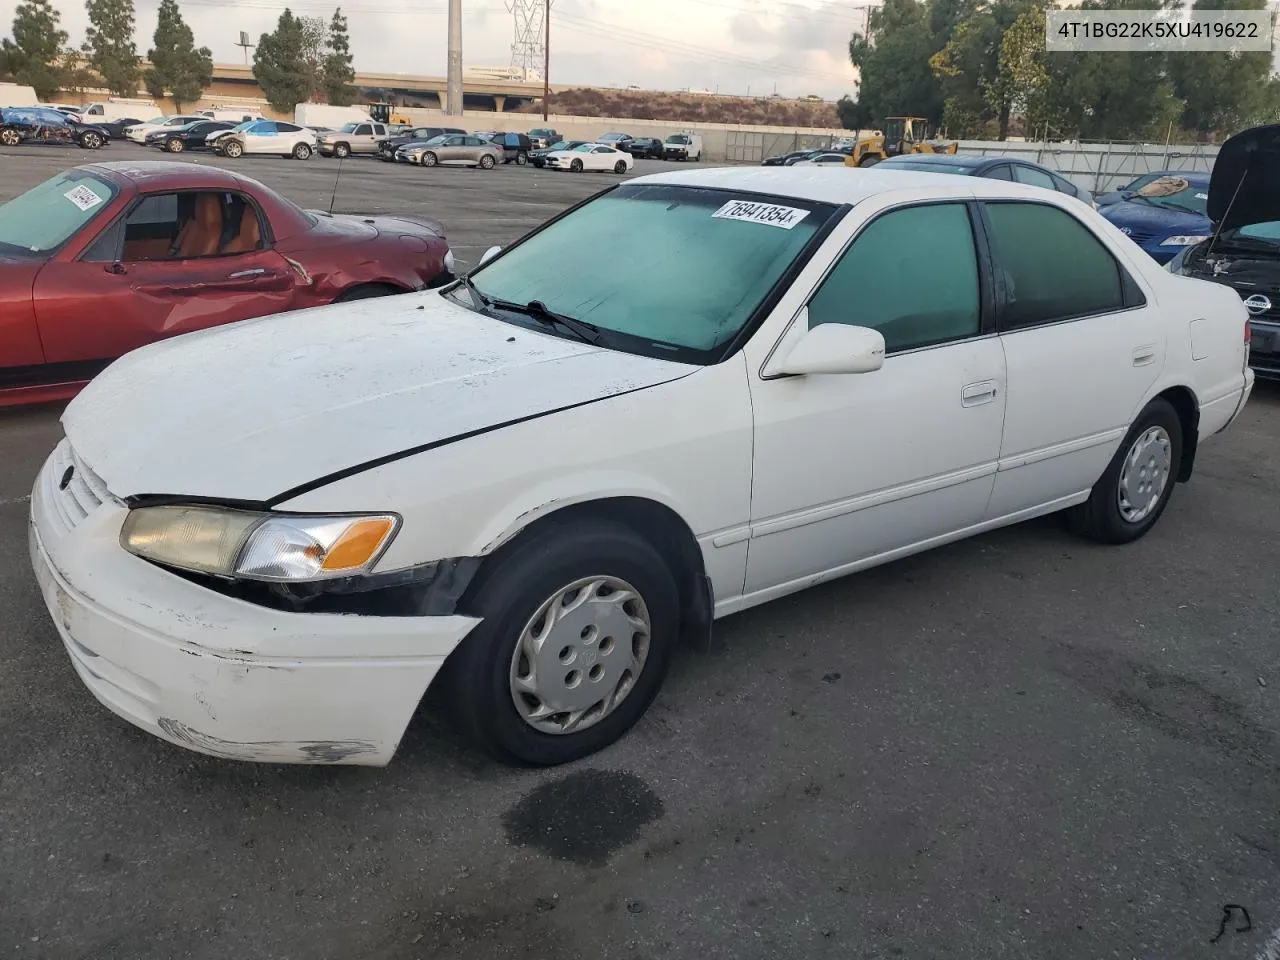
1165, 214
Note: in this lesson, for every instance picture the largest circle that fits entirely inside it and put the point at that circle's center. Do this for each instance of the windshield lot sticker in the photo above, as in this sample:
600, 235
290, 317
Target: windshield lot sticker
766, 213
83, 197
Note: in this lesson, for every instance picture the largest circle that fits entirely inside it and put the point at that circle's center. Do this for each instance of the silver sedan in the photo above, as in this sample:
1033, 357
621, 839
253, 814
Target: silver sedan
453, 150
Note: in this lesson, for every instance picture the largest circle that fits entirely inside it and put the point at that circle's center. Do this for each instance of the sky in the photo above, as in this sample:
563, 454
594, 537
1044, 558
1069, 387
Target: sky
752, 47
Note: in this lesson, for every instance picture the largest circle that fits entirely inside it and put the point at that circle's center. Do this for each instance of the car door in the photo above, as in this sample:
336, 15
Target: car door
1083, 341
601, 158
453, 149
261, 137
157, 271
850, 467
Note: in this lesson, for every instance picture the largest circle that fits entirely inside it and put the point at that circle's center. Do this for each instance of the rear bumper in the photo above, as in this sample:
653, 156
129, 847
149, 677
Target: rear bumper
1264, 350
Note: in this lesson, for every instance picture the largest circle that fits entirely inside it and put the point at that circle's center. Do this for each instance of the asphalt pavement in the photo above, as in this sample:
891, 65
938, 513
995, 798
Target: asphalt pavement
1023, 745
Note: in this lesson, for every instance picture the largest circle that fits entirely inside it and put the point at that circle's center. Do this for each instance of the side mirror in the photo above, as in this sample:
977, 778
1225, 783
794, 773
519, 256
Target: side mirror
489, 255
835, 348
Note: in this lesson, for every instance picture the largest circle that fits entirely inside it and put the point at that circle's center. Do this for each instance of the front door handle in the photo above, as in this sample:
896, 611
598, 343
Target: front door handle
976, 394
245, 274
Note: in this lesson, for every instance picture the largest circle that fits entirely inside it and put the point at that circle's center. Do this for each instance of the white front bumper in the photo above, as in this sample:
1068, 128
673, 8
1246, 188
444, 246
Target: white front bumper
220, 675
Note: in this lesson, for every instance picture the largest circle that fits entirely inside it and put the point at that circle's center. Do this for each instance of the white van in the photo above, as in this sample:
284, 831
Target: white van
118, 108
234, 114
682, 146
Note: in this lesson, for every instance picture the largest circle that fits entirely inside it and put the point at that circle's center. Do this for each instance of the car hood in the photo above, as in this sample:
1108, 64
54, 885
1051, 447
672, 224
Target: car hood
252, 410
1143, 217
1245, 185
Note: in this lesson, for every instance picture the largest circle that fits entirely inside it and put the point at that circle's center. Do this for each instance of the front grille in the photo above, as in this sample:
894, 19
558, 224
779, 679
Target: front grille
1139, 236
84, 492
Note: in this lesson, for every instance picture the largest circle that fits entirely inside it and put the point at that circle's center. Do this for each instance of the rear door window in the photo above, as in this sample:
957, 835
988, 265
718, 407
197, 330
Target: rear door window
1033, 177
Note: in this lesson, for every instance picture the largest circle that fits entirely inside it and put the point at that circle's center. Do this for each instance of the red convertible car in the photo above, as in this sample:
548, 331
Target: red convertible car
108, 257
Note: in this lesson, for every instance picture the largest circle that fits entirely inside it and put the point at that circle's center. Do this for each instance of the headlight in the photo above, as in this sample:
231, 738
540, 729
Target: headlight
1182, 241
258, 546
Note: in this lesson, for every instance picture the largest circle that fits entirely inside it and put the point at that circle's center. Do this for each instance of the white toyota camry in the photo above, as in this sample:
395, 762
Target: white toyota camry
591, 156
267, 540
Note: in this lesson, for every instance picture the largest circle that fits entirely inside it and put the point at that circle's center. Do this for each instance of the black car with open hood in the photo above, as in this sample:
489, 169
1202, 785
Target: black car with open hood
1244, 250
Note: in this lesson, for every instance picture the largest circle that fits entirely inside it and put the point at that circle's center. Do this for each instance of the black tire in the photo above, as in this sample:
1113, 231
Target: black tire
620, 167
576, 166
174, 145
507, 592
341, 151
91, 140
869, 161
487, 162
366, 291
521, 158
429, 159
1100, 517
232, 149
301, 151
10, 137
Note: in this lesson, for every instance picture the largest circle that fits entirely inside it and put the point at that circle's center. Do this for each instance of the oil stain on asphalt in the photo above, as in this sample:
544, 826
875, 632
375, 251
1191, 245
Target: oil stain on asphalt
584, 817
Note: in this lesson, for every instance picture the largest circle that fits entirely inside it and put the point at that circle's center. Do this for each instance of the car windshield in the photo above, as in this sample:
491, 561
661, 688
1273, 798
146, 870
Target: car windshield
678, 138
158, 120
1268, 232
47, 216
1172, 193
928, 167
349, 127
244, 125
661, 270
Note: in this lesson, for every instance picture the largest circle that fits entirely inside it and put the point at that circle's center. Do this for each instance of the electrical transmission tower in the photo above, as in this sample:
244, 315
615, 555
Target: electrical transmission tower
529, 47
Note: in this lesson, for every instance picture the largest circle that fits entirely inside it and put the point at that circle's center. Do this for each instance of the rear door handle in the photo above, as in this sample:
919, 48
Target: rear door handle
1144, 355
976, 394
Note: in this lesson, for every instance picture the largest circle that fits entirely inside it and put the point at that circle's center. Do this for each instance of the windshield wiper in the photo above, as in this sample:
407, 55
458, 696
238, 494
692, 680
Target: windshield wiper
537, 310
480, 298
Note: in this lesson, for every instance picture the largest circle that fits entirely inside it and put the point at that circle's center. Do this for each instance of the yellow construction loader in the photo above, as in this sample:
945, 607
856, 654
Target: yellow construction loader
900, 135
383, 113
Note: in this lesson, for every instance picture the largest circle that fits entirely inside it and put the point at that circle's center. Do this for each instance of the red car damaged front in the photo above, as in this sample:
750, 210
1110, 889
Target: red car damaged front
105, 258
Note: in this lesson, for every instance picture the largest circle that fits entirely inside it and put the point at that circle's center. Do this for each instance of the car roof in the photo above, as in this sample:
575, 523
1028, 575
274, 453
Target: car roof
147, 174
840, 185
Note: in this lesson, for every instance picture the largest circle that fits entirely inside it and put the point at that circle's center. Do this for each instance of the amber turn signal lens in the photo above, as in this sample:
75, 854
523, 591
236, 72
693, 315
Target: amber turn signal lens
358, 544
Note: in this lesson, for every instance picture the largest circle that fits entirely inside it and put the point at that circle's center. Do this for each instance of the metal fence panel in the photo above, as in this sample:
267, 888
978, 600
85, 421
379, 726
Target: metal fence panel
1103, 166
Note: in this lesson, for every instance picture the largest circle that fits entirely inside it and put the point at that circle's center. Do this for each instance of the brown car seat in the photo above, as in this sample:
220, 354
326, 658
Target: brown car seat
199, 236
249, 236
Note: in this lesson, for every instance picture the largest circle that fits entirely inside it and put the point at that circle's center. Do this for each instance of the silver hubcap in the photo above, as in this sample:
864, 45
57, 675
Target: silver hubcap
1145, 474
580, 654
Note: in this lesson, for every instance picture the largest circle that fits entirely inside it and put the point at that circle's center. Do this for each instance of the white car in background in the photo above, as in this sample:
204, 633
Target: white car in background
138, 132
273, 137
265, 541
591, 156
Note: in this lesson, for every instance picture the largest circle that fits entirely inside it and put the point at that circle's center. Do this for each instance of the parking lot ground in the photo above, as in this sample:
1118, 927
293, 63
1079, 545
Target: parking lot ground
1019, 746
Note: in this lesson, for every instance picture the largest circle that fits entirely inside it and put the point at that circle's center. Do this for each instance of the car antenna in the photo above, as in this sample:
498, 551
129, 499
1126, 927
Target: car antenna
1217, 227
334, 196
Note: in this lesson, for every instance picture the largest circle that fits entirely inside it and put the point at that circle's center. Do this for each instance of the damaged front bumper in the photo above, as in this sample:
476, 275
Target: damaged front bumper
221, 675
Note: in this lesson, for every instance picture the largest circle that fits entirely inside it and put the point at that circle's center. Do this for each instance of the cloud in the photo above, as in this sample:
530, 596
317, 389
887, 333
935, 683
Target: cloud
745, 28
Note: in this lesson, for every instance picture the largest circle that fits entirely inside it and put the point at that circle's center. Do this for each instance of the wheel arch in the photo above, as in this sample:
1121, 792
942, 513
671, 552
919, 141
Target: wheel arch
1183, 400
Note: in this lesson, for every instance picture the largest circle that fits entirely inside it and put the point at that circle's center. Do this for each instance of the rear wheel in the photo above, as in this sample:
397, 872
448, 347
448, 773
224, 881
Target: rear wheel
232, 149
521, 158
487, 162
302, 151
173, 145
578, 624
576, 166
430, 159
620, 167
10, 137
1135, 488
342, 151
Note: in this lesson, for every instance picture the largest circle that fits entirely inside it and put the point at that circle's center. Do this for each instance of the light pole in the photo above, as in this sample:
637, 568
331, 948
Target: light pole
546, 62
453, 85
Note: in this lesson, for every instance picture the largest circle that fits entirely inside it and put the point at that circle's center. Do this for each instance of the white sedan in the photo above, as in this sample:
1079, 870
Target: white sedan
591, 156
266, 541
138, 132
273, 137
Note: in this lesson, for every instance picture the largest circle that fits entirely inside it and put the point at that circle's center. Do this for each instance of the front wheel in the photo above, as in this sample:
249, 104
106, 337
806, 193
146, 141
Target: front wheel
302, 151
430, 159
1135, 488
232, 149
342, 151
173, 145
578, 625
576, 166
620, 167
91, 141
487, 162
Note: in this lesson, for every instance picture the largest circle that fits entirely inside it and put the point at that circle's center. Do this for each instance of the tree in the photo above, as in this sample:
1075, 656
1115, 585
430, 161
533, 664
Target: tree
1220, 91
76, 77
109, 44
315, 37
177, 65
32, 55
894, 63
338, 72
280, 67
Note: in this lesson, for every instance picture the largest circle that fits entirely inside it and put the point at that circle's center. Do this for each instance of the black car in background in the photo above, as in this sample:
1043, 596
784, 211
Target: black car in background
387, 148
650, 147
787, 159
190, 137
539, 157
618, 141
516, 147
46, 125
991, 167
543, 137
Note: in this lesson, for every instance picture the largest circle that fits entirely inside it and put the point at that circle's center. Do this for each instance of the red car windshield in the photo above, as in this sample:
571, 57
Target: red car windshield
45, 217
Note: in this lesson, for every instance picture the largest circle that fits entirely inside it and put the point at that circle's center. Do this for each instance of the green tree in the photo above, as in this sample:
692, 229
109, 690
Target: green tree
338, 71
177, 65
76, 76
109, 44
280, 67
32, 55
1220, 91
894, 63
315, 37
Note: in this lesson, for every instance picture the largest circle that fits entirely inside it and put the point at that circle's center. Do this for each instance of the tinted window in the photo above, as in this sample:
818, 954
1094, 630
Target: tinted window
999, 172
1064, 186
379, 130
363, 130
287, 128
1033, 177
262, 128
876, 282
1050, 265
602, 150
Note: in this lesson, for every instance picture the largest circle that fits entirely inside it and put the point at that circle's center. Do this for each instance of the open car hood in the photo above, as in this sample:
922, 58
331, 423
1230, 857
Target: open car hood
1245, 185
